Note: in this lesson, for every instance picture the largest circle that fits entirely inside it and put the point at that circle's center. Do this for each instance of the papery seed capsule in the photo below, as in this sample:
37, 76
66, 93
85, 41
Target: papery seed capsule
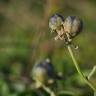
72, 25
43, 72
40, 74
55, 22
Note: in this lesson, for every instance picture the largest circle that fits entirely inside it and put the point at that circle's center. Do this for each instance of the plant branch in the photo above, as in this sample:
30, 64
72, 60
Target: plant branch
48, 90
78, 68
67, 93
92, 72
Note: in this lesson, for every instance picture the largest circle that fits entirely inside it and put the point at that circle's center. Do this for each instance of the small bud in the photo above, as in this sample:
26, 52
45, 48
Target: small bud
72, 25
55, 22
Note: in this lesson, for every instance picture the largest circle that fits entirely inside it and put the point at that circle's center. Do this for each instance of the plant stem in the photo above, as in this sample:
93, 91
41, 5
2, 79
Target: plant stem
92, 72
78, 69
67, 93
48, 90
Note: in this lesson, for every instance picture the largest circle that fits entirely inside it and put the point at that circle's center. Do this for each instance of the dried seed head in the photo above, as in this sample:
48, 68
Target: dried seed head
72, 25
43, 72
65, 29
40, 74
55, 22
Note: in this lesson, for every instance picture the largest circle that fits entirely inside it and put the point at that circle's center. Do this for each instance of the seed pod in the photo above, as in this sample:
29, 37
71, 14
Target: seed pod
43, 72
40, 74
55, 22
72, 25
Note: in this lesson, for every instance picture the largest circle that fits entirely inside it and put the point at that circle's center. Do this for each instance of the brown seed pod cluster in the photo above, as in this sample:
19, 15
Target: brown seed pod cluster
66, 29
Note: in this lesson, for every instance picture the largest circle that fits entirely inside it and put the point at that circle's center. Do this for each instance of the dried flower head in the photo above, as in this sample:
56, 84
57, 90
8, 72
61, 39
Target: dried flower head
43, 72
72, 25
55, 22
65, 29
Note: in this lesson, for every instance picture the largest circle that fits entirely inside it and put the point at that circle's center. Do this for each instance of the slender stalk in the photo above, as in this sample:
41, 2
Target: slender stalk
67, 93
78, 69
92, 72
48, 90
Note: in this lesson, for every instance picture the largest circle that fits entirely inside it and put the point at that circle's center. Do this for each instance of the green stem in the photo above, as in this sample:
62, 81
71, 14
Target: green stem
67, 93
92, 72
78, 69
48, 90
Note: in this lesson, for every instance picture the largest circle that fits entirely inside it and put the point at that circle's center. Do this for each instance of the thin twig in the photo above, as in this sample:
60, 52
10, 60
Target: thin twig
47, 89
67, 93
78, 68
92, 72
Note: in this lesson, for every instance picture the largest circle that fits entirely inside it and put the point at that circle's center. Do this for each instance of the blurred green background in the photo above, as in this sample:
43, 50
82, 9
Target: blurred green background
25, 38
